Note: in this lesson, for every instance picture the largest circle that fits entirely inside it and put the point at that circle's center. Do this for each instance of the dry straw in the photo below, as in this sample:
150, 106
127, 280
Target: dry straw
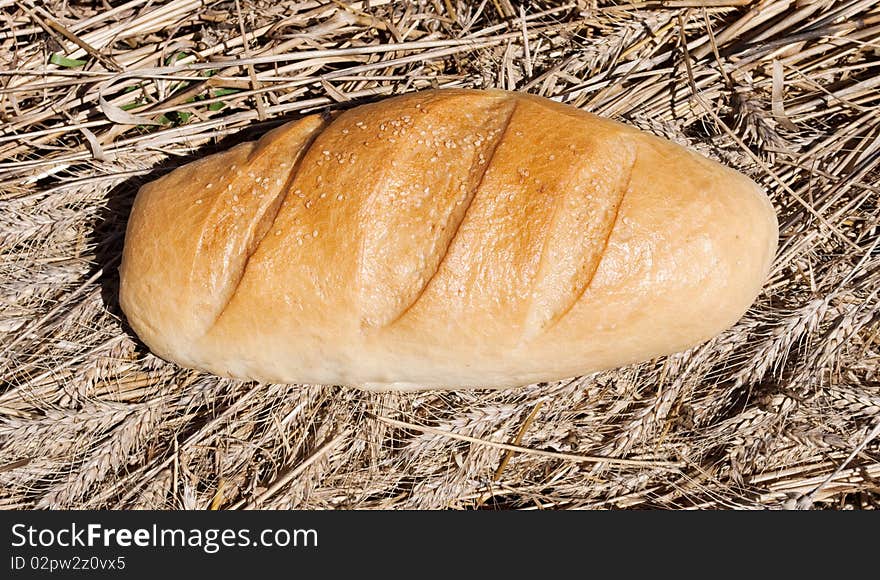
778, 412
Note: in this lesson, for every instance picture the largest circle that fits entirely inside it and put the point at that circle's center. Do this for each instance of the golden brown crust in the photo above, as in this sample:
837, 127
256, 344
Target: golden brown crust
192, 232
443, 239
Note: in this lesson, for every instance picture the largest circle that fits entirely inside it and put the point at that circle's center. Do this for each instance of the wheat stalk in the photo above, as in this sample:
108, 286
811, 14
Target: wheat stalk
787, 94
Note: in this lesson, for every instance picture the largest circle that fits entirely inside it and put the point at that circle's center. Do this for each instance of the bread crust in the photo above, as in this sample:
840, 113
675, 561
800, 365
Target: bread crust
443, 239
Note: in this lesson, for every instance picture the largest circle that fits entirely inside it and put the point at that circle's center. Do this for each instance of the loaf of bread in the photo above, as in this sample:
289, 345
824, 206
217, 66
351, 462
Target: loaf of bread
442, 239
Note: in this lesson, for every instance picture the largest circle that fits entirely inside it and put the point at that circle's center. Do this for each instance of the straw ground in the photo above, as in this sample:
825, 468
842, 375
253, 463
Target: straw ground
778, 412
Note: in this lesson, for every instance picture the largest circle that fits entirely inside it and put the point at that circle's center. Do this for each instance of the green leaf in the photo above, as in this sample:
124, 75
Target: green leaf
64, 61
175, 57
224, 92
220, 93
174, 118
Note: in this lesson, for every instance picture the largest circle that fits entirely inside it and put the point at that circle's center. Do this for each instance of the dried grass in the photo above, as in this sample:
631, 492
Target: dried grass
768, 415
